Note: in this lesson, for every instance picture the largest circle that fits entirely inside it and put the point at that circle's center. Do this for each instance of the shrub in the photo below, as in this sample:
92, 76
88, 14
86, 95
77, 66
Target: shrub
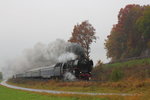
116, 74
1, 77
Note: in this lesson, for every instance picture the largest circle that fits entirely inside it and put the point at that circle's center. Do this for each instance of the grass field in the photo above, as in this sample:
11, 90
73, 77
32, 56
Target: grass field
79, 86
86, 97
126, 77
13, 94
135, 69
130, 63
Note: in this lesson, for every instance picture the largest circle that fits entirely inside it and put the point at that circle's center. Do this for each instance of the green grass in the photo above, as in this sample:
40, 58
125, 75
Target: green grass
86, 97
79, 86
129, 63
13, 94
137, 69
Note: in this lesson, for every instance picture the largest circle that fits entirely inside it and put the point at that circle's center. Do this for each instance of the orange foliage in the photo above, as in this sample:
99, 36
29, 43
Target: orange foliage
83, 34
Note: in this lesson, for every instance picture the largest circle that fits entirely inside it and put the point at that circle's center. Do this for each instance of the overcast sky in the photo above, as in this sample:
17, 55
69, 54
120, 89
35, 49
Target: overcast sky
23, 23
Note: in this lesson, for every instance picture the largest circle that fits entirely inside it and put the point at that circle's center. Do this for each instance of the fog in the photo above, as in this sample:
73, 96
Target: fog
24, 23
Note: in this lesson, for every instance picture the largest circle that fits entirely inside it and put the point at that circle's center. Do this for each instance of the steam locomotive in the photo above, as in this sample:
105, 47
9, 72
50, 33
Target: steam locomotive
80, 68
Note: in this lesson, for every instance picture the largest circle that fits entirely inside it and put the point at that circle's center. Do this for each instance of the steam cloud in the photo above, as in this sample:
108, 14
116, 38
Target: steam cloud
69, 76
42, 55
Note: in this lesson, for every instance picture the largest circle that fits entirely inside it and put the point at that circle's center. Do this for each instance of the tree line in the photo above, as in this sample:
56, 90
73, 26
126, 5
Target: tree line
130, 37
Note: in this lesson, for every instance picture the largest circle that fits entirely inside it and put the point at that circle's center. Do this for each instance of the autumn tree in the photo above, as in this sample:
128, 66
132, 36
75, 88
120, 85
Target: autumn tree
83, 34
143, 24
124, 39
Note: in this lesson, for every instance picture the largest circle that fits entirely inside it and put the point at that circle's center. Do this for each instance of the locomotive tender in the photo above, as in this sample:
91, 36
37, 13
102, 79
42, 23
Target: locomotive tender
80, 68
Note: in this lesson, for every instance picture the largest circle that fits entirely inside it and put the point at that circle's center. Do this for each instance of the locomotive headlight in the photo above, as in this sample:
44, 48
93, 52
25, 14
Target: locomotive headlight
80, 72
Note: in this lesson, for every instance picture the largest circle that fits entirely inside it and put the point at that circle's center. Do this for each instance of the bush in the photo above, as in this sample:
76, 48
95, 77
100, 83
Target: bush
116, 74
1, 77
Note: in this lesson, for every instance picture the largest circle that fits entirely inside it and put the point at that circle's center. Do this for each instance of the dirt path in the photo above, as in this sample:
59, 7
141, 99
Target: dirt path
60, 92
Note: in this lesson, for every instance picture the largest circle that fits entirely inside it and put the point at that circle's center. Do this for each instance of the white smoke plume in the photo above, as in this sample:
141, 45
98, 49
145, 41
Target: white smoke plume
69, 76
42, 55
66, 57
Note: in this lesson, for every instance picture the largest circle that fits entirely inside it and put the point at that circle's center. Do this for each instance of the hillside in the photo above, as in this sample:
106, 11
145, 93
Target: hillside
125, 77
134, 69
